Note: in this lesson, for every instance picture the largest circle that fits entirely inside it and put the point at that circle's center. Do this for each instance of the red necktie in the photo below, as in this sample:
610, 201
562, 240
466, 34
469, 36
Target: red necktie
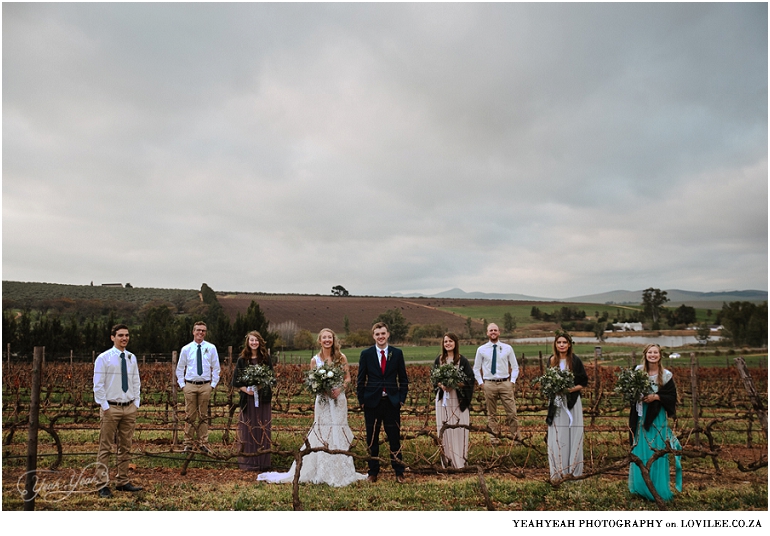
383, 362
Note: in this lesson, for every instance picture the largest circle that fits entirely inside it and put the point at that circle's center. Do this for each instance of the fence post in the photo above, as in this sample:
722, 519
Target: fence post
748, 383
597, 382
9, 354
174, 417
523, 365
694, 387
34, 413
93, 356
632, 359
540, 358
229, 355
71, 352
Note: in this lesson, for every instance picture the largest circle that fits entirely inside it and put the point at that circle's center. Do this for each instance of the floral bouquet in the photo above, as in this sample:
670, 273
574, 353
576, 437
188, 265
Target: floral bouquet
555, 382
324, 379
260, 376
257, 377
448, 375
633, 385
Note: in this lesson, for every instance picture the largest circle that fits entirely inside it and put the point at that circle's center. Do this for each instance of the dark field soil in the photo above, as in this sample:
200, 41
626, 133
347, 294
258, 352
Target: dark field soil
316, 312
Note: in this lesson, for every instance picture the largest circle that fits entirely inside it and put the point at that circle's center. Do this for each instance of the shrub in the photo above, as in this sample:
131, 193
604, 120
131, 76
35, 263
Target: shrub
358, 338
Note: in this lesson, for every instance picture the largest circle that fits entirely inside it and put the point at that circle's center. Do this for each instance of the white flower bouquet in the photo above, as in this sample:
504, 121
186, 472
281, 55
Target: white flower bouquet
324, 378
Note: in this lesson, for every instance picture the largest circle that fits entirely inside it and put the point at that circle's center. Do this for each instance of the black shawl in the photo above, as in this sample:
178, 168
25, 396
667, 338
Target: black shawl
667, 394
464, 393
581, 378
265, 395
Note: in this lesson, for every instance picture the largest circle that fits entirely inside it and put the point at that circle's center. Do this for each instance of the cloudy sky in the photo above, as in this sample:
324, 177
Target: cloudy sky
552, 150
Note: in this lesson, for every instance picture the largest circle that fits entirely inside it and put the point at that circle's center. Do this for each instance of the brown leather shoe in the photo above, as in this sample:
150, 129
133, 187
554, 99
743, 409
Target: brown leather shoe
400, 479
372, 478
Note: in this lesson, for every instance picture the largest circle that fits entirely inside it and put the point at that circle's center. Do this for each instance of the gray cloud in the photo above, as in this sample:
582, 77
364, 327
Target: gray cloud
545, 149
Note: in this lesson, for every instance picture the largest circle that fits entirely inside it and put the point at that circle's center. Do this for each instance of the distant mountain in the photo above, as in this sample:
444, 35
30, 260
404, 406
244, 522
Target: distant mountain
676, 297
461, 294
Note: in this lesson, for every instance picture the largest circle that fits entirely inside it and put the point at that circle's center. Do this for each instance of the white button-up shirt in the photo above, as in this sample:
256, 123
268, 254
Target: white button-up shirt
108, 379
506, 363
187, 367
379, 354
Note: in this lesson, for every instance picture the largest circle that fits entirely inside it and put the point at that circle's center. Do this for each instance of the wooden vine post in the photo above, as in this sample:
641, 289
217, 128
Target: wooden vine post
695, 404
174, 417
597, 382
34, 422
756, 401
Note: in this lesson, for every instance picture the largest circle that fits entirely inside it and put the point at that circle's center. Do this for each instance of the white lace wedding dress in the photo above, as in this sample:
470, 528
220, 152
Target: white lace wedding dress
330, 429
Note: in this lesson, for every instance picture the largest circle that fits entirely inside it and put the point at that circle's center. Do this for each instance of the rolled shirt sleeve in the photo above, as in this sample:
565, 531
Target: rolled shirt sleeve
514, 367
477, 367
100, 375
214, 362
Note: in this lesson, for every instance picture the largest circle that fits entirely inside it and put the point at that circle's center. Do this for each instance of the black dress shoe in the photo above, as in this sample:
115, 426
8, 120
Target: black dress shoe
205, 450
129, 487
372, 478
105, 493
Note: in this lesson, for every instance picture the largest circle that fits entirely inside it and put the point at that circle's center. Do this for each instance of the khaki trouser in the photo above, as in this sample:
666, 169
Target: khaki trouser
196, 399
120, 419
504, 392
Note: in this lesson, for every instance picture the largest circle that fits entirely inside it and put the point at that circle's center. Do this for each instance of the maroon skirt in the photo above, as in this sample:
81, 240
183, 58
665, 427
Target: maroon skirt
253, 435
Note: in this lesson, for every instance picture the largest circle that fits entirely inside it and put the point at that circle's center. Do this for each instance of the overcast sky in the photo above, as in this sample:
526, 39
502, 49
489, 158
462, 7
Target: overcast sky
552, 150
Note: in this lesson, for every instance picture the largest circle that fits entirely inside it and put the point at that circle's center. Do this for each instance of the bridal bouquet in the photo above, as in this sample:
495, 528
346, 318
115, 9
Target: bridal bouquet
555, 382
633, 385
324, 379
260, 376
448, 375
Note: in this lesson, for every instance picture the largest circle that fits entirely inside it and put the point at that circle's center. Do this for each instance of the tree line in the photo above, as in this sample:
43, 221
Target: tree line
159, 327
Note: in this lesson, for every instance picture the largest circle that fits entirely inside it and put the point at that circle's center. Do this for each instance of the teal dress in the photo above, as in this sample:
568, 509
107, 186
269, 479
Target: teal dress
651, 432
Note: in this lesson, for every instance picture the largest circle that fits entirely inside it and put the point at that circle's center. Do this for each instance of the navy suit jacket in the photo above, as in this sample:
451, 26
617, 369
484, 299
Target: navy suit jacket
371, 381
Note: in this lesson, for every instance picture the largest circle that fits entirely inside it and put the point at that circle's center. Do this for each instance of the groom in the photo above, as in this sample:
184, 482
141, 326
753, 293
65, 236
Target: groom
382, 387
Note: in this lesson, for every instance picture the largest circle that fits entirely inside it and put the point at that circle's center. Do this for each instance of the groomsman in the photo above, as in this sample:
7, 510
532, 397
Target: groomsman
197, 374
496, 370
381, 388
116, 390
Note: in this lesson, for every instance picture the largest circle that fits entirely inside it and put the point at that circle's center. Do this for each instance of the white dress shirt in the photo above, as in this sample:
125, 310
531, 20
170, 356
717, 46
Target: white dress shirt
506, 359
379, 354
187, 367
108, 380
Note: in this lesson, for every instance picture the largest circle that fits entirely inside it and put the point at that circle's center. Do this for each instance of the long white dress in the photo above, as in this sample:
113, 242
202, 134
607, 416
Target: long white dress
565, 438
330, 429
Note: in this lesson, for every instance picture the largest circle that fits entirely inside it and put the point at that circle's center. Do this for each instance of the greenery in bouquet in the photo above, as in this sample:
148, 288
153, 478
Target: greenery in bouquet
324, 378
260, 376
633, 385
448, 375
555, 382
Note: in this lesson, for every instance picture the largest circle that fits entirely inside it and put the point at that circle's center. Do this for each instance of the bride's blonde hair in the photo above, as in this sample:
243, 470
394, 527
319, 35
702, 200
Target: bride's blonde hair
335, 349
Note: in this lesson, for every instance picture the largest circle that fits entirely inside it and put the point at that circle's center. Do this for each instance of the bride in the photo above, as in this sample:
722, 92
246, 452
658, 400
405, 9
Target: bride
330, 428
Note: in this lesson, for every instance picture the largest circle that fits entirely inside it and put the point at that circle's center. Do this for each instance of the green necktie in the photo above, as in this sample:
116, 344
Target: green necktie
200, 361
123, 372
494, 358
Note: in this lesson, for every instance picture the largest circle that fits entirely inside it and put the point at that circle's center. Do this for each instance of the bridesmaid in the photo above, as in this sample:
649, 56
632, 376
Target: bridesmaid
651, 431
255, 422
565, 419
454, 444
